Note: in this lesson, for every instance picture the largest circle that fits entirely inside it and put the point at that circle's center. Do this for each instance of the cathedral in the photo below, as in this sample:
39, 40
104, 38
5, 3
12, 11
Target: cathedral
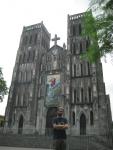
46, 77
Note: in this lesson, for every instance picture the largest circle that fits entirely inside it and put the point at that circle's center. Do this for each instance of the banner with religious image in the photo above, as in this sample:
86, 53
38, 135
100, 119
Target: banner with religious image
53, 90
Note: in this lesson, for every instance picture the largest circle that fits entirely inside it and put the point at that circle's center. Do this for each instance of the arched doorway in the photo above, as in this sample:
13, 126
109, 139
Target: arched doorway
82, 124
73, 117
20, 125
51, 113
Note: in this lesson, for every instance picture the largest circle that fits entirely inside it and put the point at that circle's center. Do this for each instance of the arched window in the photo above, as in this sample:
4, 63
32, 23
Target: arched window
39, 92
85, 99
80, 29
88, 67
74, 96
21, 102
78, 99
74, 30
71, 47
89, 94
81, 66
73, 117
20, 77
82, 95
91, 118
20, 59
87, 44
13, 118
74, 70
80, 47
24, 99
29, 75
33, 55
35, 39
71, 30
16, 103
28, 56
23, 58
74, 49
25, 40
30, 40
25, 76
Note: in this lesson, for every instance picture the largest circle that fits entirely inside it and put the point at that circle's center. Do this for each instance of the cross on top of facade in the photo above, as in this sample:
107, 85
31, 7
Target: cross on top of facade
55, 39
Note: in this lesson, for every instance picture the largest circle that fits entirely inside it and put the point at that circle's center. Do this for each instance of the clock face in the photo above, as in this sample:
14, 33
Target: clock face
54, 52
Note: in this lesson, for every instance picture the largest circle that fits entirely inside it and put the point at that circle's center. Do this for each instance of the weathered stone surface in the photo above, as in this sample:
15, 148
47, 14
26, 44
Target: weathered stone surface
81, 87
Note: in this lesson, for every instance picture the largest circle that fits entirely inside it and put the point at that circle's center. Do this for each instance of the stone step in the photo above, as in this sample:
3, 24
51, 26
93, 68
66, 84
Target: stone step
31, 141
25, 141
86, 143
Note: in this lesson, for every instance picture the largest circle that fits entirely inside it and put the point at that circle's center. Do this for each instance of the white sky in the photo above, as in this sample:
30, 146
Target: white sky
14, 14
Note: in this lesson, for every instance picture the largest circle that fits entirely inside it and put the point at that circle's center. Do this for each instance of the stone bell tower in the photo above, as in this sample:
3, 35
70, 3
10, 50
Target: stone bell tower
90, 106
21, 111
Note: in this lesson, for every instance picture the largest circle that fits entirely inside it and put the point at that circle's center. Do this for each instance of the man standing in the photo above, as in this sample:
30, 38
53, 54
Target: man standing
59, 130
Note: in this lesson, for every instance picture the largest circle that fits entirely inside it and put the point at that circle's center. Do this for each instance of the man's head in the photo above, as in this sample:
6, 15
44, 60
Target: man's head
60, 111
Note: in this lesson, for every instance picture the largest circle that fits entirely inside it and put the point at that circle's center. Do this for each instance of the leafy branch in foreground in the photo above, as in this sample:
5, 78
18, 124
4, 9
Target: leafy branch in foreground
100, 32
3, 86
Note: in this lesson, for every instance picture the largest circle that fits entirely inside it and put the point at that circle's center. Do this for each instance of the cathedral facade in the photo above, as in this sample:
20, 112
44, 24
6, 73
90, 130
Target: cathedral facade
46, 77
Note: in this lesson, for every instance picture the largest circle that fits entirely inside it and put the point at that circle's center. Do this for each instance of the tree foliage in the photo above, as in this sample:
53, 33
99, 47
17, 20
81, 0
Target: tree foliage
3, 86
99, 28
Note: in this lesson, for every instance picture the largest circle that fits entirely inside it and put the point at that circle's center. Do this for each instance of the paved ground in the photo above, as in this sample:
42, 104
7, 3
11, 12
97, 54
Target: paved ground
20, 148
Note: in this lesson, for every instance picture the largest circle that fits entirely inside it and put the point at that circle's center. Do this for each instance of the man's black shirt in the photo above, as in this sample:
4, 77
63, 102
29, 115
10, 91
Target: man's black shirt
59, 133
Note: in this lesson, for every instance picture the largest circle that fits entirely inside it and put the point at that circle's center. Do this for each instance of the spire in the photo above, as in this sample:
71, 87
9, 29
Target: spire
64, 46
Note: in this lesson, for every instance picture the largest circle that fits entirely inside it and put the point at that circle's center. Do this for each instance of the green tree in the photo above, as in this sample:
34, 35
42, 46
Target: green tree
98, 26
3, 86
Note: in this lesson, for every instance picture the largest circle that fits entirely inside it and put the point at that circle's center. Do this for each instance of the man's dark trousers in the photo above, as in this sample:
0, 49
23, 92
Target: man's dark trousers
60, 144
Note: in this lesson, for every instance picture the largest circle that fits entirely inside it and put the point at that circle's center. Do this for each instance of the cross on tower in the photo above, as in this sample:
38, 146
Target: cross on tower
55, 39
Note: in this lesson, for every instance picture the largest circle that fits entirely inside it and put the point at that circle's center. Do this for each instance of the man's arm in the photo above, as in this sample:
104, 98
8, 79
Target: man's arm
66, 126
59, 126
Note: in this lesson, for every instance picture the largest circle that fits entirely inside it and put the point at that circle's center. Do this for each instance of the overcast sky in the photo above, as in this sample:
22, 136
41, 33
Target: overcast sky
14, 14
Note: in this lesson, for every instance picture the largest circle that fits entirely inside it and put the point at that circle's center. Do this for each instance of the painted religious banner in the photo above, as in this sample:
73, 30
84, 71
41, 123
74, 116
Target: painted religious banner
53, 89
